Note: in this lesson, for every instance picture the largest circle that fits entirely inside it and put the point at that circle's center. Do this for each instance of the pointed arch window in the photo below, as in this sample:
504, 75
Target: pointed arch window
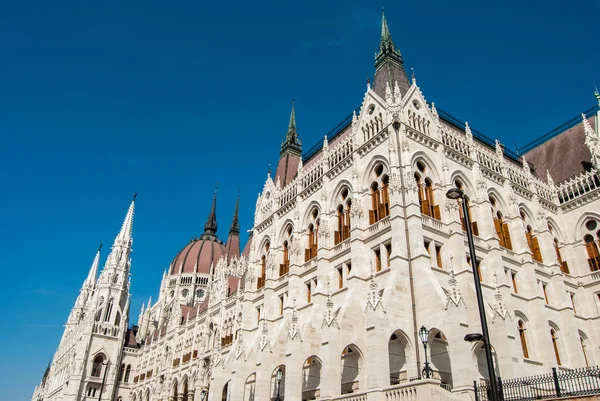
523, 338
425, 192
532, 241
564, 267
343, 218
583, 343
313, 236
127, 373
474, 229
97, 366
263, 266
109, 310
121, 372
502, 231
555, 346
284, 267
380, 197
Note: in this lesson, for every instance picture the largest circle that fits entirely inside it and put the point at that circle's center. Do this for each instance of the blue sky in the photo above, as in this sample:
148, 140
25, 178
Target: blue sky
98, 99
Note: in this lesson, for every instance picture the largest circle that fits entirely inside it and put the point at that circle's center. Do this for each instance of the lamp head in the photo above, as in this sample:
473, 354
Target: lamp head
424, 335
396, 125
203, 395
279, 375
473, 337
454, 193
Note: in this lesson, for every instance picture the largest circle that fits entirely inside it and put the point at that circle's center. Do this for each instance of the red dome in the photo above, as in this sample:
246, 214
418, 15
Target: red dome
198, 255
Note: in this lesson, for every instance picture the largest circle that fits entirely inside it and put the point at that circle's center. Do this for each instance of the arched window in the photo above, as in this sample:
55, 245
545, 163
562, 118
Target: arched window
127, 372
97, 366
284, 267
500, 225
523, 338
474, 228
343, 218
583, 343
564, 267
109, 310
380, 198
313, 232
121, 373
425, 191
532, 241
555, 345
263, 266
591, 246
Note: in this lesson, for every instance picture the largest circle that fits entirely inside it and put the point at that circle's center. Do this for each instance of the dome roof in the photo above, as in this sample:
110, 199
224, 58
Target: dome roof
198, 255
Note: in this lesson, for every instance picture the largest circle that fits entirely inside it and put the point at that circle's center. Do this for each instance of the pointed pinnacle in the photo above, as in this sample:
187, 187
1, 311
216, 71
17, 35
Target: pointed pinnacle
292, 123
91, 278
127, 227
385, 32
210, 227
235, 224
597, 94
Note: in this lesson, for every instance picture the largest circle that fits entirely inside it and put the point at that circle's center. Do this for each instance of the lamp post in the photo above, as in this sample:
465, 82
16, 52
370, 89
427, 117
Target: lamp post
424, 336
456, 194
279, 377
103, 380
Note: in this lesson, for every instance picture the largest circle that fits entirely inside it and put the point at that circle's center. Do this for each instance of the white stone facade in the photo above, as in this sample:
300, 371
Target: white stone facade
339, 308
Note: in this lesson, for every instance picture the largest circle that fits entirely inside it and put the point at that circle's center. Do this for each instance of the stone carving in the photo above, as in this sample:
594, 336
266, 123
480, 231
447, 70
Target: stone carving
374, 297
499, 307
330, 317
295, 326
264, 338
453, 295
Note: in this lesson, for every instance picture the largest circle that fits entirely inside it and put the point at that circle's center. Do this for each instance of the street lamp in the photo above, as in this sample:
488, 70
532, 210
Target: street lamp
424, 336
279, 376
202, 395
456, 194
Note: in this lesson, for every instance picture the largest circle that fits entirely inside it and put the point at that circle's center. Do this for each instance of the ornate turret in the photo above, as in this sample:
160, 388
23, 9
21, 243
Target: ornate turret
291, 153
389, 66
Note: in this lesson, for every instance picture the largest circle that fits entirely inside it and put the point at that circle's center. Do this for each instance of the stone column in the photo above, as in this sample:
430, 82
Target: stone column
191, 394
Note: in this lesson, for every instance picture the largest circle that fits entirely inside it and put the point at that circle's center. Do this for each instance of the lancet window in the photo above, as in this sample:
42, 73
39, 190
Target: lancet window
474, 228
532, 241
380, 198
425, 187
97, 366
592, 241
523, 338
108, 310
564, 267
263, 266
554, 337
284, 267
502, 231
313, 233
343, 217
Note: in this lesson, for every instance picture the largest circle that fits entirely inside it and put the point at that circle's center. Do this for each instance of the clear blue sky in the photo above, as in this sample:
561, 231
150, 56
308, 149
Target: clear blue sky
98, 99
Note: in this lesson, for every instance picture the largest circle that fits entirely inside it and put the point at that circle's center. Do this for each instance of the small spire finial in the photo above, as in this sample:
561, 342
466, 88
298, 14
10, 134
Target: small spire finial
210, 227
100, 247
597, 94
413, 74
134, 194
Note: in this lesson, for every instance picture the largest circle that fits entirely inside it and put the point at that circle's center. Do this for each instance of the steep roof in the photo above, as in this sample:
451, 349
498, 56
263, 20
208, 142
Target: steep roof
562, 151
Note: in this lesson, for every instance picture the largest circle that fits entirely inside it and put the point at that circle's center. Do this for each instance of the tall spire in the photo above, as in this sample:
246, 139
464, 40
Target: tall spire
210, 227
235, 224
91, 278
127, 228
389, 66
292, 143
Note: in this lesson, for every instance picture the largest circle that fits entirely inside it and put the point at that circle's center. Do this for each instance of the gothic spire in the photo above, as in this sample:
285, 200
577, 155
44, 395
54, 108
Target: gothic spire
91, 278
292, 143
389, 66
597, 94
210, 227
235, 224
127, 228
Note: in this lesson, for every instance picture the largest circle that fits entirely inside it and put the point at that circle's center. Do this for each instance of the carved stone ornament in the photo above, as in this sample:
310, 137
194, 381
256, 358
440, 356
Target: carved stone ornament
374, 297
454, 295
239, 350
264, 338
499, 306
330, 317
294, 326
